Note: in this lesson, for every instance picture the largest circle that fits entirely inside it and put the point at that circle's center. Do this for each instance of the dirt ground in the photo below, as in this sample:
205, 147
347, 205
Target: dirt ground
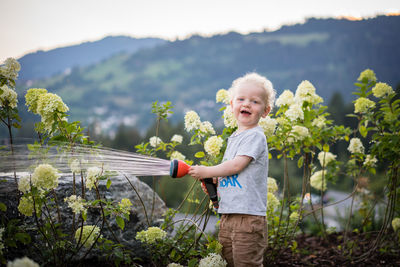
318, 251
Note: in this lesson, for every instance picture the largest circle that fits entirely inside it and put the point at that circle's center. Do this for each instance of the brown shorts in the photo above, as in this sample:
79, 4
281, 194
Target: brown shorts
243, 238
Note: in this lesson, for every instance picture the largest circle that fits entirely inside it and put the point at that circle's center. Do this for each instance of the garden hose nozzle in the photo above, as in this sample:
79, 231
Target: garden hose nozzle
179, 169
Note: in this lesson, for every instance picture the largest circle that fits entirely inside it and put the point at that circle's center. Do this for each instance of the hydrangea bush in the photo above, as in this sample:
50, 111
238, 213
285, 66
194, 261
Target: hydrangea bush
297, 130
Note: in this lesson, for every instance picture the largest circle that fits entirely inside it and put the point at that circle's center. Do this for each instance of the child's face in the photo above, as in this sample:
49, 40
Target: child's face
248, 105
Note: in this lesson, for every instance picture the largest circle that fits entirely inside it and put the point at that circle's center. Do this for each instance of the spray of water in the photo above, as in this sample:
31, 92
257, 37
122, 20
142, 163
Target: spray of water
63, 157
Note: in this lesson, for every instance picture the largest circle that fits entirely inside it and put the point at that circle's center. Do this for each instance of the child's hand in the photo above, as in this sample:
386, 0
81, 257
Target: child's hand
198, 172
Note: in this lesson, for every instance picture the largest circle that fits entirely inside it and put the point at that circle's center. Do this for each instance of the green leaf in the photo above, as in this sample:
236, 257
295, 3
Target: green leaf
173, 253
16, 125
326, 147
205, 163
192, 262
199, 154
300, 162
23, 238
108, 183
120, 222
363, 131
3, 207
319, 146
372, 170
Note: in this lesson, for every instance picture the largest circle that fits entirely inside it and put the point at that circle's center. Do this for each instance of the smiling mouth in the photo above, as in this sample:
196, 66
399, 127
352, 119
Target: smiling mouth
245, 112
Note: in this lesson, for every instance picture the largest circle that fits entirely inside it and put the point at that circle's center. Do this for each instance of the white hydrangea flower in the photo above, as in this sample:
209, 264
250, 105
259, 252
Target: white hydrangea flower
316, 181
268, 125
177, 138
22, 262
76, 203
125, 205
328, 158
177, 155
272, 202
294, 216
206, 128
24, 184
45, 176
319, 122
213, 145
298, 133
355, 146
93, 173
295, 112
362, 105
192, 121
306, 93
223, 96
229, 119
25, 205
8, 97
382, 89
151, 235
173, 264
75, 166
32, 98
214, 260
155, 141
47, 105
89, 235
396, 224
272, 185
368, 74
10, 69
286, 98
370, 161
283, 121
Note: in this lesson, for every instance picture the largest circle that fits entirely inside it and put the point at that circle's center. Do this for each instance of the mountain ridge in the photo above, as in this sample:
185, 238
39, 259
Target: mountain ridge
43, 64
330, 53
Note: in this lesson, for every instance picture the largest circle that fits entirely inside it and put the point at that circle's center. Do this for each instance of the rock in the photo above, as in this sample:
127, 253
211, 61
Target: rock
120, 188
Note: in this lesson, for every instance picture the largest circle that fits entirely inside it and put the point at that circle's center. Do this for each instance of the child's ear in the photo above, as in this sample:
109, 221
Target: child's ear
266, 111
231, 103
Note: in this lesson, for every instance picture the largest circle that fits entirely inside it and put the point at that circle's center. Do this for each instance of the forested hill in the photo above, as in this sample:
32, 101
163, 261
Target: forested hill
43, 64
328, 52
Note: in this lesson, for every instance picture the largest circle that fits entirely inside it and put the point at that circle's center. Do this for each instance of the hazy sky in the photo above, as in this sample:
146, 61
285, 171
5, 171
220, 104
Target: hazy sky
29, 25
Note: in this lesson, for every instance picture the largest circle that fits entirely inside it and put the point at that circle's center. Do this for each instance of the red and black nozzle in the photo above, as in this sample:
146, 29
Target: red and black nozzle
179, 169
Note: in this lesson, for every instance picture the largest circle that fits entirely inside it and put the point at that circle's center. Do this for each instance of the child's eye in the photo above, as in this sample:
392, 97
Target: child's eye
255, 101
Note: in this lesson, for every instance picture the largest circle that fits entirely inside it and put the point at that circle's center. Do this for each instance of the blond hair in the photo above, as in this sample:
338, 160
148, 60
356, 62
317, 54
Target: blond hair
259, 80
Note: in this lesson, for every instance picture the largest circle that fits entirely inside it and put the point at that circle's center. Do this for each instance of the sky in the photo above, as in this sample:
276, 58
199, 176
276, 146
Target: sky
31, 25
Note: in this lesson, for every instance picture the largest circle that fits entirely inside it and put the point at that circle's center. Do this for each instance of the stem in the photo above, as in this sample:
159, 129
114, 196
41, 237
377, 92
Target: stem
286, 175
103, 215
58, 207
74, 193
313, 211
41, 231
9, 124
187, 195
322, 197
140, 199
303, 191
350, 214
154, 179
277, 233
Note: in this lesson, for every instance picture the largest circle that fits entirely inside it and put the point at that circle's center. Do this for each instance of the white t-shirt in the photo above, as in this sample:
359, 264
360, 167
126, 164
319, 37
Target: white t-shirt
246, 192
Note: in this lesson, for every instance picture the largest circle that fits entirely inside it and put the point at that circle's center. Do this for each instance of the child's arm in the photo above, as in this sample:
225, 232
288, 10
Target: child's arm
226, 168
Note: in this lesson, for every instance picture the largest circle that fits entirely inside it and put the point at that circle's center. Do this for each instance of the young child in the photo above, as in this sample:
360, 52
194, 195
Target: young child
243, 174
